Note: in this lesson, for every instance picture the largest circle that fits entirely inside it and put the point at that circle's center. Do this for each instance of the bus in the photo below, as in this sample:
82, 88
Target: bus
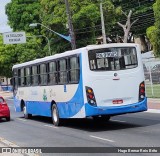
98, 81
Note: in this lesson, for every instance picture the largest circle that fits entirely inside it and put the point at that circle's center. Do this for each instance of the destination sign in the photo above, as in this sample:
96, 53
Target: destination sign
107, 54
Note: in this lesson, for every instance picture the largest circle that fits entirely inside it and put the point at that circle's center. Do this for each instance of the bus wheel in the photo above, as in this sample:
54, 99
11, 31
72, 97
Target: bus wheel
55, 116
26, 115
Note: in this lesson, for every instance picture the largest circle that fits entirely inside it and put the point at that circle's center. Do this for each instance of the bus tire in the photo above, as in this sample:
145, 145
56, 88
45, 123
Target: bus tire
55, 115
26, 114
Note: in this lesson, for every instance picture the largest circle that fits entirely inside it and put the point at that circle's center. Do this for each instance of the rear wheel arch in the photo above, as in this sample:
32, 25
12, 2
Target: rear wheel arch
52, 103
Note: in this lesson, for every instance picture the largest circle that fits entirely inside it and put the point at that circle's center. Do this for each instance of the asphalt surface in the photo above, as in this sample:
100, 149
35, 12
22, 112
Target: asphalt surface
129, 130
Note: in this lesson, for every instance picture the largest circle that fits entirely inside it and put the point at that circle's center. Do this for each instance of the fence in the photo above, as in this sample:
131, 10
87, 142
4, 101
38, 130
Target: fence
152, 76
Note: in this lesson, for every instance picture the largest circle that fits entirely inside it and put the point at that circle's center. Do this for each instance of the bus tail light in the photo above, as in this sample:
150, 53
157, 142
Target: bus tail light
90, 96
141, 91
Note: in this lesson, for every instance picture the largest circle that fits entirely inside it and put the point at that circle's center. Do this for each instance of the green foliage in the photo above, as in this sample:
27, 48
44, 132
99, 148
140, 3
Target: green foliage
86, 21
21, 13
7, 58
142, 10
153, 32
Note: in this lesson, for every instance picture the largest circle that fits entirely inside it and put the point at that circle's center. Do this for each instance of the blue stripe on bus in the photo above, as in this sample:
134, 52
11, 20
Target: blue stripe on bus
116, 110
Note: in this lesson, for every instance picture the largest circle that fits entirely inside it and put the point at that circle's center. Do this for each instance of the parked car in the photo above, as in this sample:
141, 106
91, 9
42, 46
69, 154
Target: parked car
146, 72
155, 74
4, 109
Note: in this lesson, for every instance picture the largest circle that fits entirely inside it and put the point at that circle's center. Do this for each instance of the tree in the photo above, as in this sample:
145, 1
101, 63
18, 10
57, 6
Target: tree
86, 21
21, 13
143, 11
127, 26
153, 32
7, 59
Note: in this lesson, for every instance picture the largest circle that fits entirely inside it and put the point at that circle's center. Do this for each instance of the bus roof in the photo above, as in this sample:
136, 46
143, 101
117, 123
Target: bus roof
72, 52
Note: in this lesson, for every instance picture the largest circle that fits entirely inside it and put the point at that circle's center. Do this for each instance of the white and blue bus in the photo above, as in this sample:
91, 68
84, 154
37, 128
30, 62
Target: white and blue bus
96, 81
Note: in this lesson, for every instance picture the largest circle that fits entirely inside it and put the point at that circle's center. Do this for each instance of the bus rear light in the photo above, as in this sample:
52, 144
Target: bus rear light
90, 96
141, 91
142, 85
90, 91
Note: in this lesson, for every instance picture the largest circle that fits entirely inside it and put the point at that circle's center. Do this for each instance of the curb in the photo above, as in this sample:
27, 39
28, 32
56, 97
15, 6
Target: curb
153, 111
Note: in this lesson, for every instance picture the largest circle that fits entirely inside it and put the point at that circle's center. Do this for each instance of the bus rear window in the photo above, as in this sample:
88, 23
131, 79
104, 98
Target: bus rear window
110, 59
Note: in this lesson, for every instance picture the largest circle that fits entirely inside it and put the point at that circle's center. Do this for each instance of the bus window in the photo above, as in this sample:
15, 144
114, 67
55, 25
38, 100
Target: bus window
35, 79
109, 59
43, 74
73, 70
63, 71
19, 77
28, 79
52, 73
15, 79
22, 77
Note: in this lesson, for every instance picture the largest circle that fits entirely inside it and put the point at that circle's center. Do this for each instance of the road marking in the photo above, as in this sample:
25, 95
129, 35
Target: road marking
101, 138
8, 143
50, 126
153, 111
118, 120
21, 119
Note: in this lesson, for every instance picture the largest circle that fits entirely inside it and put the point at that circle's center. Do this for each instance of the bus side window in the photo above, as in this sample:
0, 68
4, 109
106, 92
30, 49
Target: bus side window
52, 73
74, 69
19, 77
22, 76
35, 79
15, 79
28, 78
43, 74
62, 71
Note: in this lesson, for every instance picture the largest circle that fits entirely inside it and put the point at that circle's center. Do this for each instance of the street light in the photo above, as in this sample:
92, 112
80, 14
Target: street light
68, 38
49, 46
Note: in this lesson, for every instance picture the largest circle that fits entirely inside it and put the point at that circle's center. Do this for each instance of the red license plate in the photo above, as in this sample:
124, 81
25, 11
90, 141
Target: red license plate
117, 101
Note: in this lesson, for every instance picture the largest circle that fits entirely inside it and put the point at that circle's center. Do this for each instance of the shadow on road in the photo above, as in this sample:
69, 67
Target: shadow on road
95, 126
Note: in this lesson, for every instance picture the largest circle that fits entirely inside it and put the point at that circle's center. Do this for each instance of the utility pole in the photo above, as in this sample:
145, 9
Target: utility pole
71, 30
102, 23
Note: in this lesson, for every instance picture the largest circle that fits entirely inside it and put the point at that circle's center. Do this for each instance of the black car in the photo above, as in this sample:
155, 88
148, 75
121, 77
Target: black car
155, 73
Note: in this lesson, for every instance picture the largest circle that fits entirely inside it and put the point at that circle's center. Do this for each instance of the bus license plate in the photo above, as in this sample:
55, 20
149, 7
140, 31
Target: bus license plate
117, 101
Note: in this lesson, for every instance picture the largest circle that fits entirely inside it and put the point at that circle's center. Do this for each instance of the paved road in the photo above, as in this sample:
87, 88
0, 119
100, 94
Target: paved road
131, 130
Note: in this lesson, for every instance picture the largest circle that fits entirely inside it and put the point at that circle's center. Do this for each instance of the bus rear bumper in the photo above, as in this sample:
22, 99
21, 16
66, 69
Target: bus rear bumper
116, 110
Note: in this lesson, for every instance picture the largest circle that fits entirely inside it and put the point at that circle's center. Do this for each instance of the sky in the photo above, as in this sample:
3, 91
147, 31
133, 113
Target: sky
3, 17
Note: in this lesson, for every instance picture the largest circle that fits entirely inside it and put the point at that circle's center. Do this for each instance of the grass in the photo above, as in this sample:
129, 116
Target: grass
156, 90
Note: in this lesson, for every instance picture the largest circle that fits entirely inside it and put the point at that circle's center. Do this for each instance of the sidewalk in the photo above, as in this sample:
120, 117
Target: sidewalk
154, 103
6, 94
